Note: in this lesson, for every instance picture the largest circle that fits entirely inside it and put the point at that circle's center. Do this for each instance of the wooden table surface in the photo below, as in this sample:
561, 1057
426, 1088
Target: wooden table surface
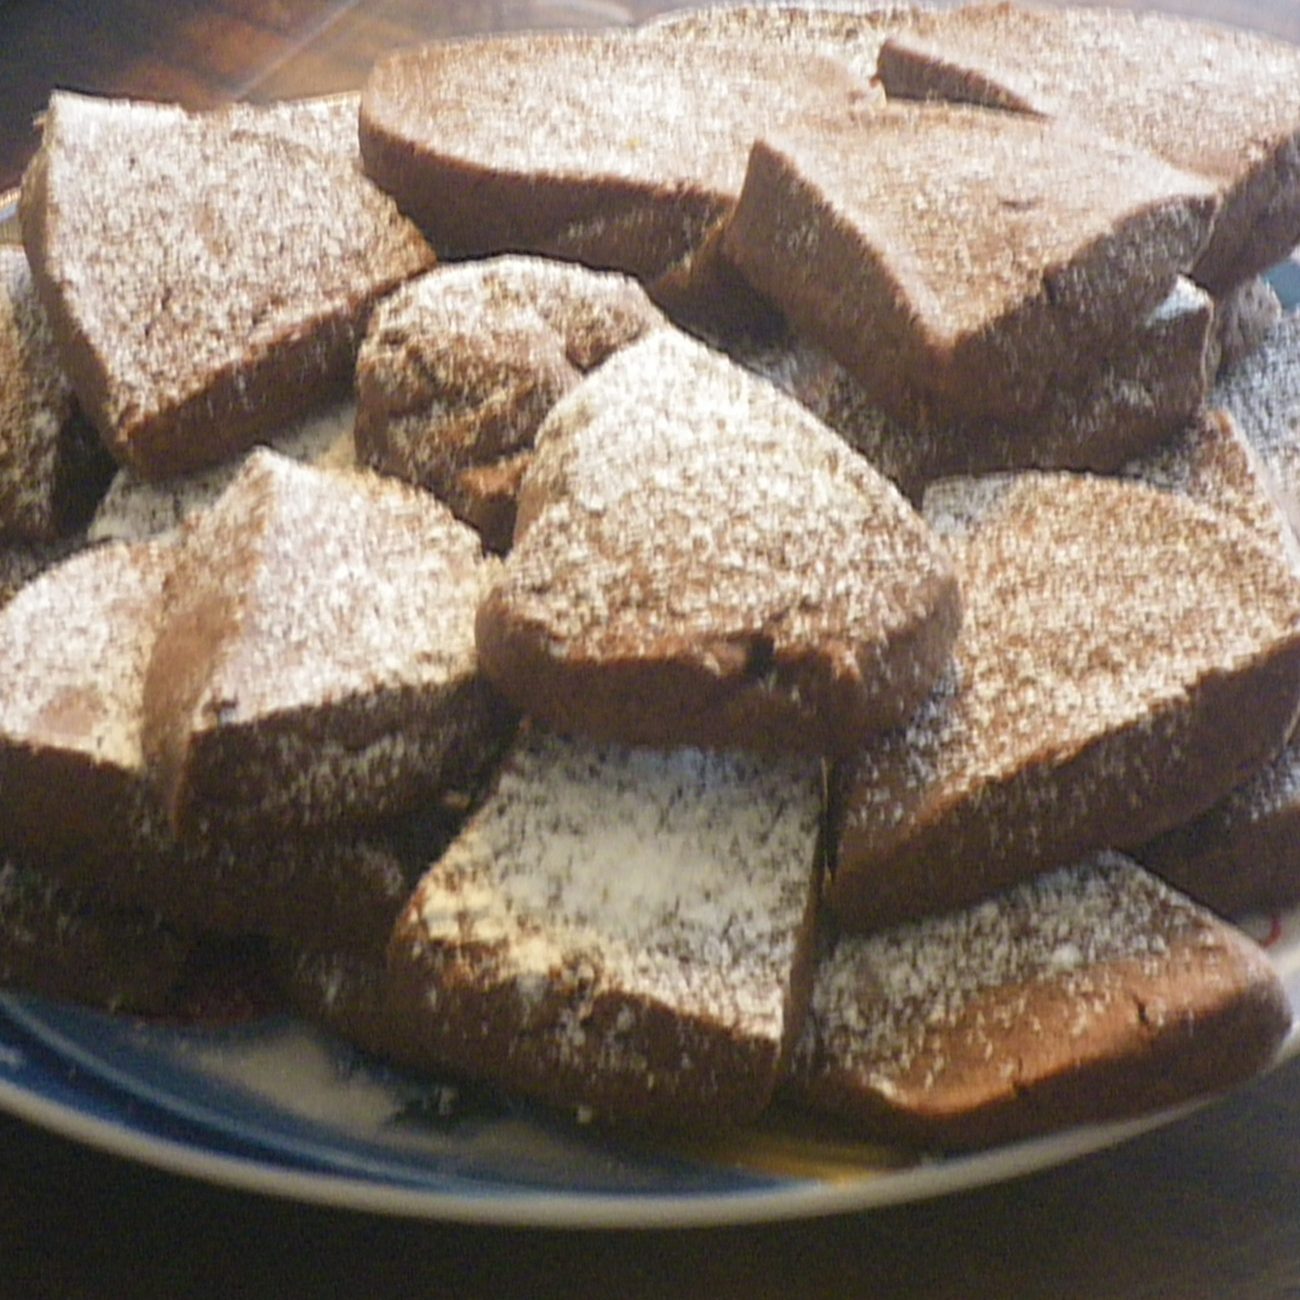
1209, 1207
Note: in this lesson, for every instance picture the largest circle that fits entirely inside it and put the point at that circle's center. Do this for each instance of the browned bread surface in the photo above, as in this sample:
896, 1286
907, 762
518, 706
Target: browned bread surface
623, 930
633, 148
315, 663
1222, 103
1127, 658
52, 469
184, 349
972, 257
1091, 993
460, 366
699, 561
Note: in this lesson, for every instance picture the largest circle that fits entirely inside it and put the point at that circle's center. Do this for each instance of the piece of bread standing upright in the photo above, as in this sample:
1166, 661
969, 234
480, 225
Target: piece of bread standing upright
207, 277
315, 662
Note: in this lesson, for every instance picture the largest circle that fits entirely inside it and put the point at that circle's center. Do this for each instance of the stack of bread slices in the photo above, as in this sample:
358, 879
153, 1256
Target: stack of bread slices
748, 559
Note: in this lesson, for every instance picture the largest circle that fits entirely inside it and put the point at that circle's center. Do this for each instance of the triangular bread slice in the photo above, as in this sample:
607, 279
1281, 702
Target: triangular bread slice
973, 257
1224, 104
460, 367
315, 662
700, 561
633, 149
77, 798
1092, 993
626, 932
208, 276
1128, 657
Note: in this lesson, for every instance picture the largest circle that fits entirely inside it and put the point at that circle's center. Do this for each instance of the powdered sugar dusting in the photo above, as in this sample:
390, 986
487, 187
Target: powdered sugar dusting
674, 879
1172, 592
896, 1013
